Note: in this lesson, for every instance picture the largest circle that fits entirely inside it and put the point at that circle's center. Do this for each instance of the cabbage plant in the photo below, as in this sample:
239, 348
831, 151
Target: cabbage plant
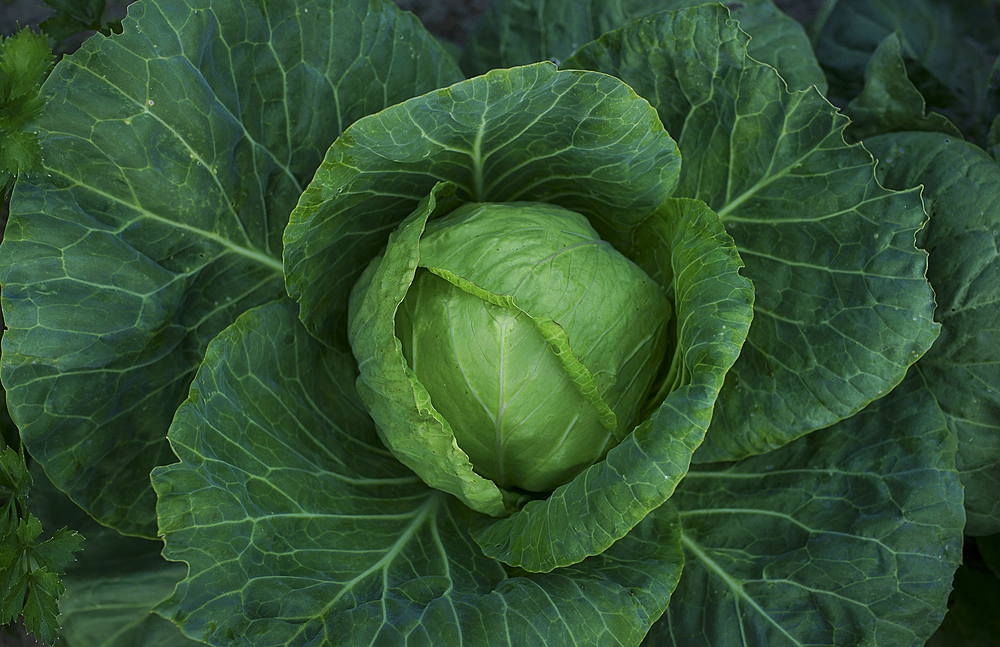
607, 343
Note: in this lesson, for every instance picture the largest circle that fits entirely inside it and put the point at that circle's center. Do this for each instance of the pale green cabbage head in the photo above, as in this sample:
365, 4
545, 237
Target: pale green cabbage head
535, 339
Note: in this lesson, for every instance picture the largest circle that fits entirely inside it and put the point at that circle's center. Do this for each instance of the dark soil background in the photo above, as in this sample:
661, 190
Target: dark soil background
449, 19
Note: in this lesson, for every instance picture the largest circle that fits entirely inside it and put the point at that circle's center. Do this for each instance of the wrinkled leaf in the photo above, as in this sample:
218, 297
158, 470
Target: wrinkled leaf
948, 46
849, 536
580, 140
962, 192
514, 32
400, 406
842, 305
684, 247
113, 583
889, 101
173, 153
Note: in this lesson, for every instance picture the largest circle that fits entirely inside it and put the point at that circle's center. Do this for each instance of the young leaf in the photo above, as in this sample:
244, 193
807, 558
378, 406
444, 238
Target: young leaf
41, 606
29, 569
37, 565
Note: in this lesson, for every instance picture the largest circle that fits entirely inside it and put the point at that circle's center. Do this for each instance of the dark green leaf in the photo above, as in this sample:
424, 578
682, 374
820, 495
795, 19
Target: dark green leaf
514, 32
29, 575
111, 608
56, 552
20, 152
300, 528
842, 306
889, 101
15, 586
948, 46
174, 153
848, 536
962, 191
775, 39
15, 480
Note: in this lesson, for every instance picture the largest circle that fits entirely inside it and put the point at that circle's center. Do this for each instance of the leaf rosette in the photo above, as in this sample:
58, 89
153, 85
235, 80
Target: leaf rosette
324, 491
539, 161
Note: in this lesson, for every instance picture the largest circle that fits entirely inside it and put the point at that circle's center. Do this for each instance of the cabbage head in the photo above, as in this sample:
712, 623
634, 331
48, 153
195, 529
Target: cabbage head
535, 340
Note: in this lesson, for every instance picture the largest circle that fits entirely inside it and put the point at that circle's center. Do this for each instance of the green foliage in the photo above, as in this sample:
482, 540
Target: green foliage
25, 61
201, 219
329, 539
514, 32
114, 582
74, 16
205, 277
889, 102
840, 288
30, 568
803, 573
948, 47
962, 192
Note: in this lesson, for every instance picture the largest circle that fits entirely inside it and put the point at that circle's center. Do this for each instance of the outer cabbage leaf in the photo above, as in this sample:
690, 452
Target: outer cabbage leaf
173, 154
581, 140
514, 32
685, 248
962, 191
842, 306
889, 102
949, 47
299, 528
849, 536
